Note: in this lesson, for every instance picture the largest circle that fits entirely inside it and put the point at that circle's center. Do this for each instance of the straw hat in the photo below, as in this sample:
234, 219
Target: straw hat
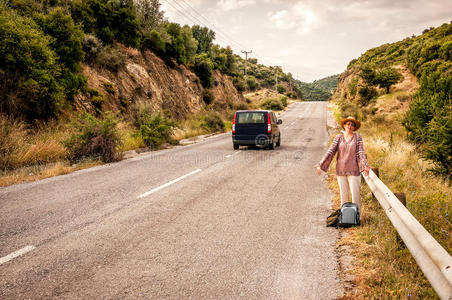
351, 119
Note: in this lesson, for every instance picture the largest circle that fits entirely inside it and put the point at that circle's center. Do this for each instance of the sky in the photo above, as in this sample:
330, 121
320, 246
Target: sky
310, 39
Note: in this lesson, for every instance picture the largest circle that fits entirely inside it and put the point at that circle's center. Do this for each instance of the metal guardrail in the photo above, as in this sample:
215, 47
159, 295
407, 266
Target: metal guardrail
434, 260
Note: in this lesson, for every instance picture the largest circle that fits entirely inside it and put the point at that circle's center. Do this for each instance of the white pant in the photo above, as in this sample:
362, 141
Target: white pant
347, 184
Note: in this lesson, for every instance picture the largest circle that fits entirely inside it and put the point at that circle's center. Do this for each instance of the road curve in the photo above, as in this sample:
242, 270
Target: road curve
199, 221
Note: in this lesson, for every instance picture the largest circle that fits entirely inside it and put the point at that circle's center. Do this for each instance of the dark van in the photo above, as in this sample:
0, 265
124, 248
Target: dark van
256, 127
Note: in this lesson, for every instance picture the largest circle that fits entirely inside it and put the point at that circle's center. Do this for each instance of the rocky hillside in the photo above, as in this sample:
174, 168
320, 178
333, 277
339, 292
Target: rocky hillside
145, 79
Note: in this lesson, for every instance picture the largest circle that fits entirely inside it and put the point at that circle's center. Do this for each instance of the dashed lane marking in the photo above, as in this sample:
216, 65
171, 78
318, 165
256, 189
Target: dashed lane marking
168, 184
15, 254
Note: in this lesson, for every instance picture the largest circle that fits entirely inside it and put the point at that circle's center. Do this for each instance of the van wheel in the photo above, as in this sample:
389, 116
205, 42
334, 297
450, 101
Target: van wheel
278, 143
236, 146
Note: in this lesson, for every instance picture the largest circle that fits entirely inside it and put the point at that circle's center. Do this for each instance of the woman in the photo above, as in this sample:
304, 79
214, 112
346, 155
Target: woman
351, 161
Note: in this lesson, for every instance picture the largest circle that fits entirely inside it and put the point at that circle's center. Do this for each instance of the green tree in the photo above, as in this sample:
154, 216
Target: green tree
67, 43
149, 15
154, 42
182, 46
190, 43
109, 20
205, 38
203, 68
28, 69
368, 74
387, 77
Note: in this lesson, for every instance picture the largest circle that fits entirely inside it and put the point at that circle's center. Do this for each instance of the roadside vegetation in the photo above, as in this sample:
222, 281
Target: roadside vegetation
407, 135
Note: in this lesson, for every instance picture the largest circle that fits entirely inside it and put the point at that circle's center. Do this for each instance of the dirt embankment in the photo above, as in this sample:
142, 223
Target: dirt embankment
146, 79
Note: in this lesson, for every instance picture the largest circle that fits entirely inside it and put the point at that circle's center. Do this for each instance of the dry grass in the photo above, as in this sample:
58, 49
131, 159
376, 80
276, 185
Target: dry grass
29, 154
383, 268
21, 147
129, 139
190, 128
38, 172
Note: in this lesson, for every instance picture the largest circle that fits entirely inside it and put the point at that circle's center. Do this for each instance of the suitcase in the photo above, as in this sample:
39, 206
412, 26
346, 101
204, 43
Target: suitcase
349, 215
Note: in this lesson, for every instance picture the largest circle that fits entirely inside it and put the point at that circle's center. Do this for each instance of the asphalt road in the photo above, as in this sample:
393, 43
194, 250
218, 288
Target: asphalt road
199, 221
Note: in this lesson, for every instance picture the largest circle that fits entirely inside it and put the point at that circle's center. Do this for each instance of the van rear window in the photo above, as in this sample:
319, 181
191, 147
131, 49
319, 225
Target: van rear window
250, 118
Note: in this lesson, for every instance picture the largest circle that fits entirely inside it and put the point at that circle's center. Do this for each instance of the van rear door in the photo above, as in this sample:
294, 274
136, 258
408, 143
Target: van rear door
250, 124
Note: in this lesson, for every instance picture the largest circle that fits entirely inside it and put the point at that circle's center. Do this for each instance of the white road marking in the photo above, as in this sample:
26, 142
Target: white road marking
15, 254
168, 184
228, 155
238, 152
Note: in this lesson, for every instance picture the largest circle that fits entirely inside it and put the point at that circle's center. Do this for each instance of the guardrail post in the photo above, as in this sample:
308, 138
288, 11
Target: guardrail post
402, 198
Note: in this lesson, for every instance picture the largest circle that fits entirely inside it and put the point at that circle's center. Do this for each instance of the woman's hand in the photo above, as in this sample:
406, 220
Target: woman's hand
366, 171
319, 171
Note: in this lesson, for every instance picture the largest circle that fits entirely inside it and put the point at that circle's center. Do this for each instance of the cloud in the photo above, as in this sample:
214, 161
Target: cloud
299, 18
227, 5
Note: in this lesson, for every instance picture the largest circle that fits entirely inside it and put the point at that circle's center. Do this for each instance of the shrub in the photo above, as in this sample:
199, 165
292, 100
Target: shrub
155, 130
366, 94
350, 109
111, 58
94, 138
92, 47
207, 96
429, 120
272, 104
239, 84
240, 106
251, 82
284, 101
352, 87
281, 89
110, 88
97, 98
213, 122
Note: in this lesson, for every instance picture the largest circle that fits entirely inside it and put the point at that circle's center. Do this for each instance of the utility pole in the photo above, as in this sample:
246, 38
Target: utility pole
276, 77
246, 58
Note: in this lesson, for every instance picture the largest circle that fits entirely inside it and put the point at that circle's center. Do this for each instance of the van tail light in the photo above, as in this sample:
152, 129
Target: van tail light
233, 124
269, 123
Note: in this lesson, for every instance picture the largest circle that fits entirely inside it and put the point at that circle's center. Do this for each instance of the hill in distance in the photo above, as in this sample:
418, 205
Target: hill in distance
319, 90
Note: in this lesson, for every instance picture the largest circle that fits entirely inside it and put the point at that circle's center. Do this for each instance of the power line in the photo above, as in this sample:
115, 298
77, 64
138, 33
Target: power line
188, 16
213, 25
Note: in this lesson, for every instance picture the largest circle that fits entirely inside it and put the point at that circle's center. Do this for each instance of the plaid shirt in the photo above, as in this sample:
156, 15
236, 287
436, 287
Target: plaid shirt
351, 159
